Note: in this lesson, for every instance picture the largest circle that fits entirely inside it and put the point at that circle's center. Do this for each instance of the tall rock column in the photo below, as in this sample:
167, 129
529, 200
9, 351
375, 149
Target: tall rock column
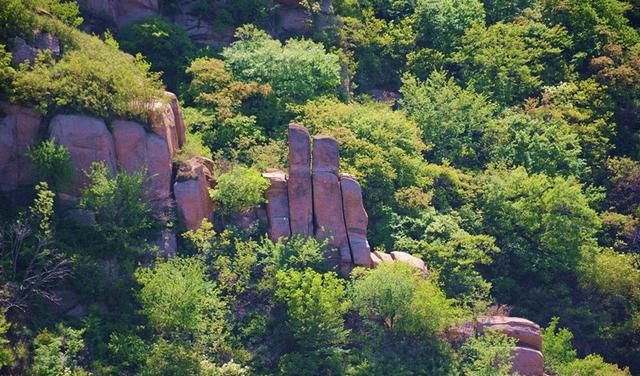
327, 196
299, 185
277, 205
356, 220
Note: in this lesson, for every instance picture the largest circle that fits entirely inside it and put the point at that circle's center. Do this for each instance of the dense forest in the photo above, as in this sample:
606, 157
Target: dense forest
496, 140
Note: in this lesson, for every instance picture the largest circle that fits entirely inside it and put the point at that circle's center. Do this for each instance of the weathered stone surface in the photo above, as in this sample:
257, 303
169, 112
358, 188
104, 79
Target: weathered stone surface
293, 20
88, 140
277, 205
408, 259
384, 257
526, 332
356, 220
138, 150
179, 120
528, 362
28, 50
19, 130
191, 191
374, 260
327, 196
299, 184
120, 12
166, 121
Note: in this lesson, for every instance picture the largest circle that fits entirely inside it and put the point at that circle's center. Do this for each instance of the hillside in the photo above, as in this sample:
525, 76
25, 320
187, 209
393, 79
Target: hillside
320, 187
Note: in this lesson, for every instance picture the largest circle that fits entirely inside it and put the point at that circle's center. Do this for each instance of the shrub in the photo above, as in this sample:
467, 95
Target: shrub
488, 355
240, 189
92, 77
53, 161
58, 353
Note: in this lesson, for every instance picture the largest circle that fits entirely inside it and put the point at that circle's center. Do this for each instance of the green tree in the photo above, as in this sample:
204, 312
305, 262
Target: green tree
296, 71
443, 22
487, 355
180, 301
541, 146
52, 161
316, 304
452, 119
165, 44
512, 61
58, 353
403, 301
506, 10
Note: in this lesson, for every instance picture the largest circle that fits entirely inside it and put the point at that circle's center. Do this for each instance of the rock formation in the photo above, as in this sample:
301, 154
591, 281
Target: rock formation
120, 12
277, 205
527, 356
323, 203
20, 129
24, 50
328, 214
299, 184
191, 191
88, 140
138, 150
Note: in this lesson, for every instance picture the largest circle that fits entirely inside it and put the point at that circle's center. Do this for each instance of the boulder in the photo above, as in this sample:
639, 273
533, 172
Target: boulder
138, 150
527, 361
526, 332
191, 191
408, 259
299, 184
327, 196
356, 220
374, 260
88, 140
120, 12
20, 129
277, 205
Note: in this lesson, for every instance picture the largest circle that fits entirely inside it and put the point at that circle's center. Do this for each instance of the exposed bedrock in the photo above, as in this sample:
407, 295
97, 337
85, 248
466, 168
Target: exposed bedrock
356, 220
191, 191
299, 184
277, 205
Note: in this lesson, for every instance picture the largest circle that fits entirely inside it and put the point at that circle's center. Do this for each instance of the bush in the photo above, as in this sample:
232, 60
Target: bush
165, 44
58, 353
239, 190
18, 17
396, 294
53, 161
92, 77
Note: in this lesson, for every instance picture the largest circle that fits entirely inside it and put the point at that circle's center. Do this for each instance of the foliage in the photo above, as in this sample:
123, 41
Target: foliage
123, 216
166, 46
58, 353
240, 189
487, 355
167, 358
443, 22
452, 119
541, 146
316, 304
179, 300
505, 10
396, 295
296, 71
30, 265
18, 17
512, 61
295, 252
92, 77
6, 353
53, 161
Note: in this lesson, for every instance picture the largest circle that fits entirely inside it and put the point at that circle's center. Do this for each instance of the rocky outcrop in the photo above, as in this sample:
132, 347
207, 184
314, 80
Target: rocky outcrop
299, 184
191, 191
527, 356
20, 129
166, 121
88, 140
324, 203
356, 219
277, 205
138, 150
327, 198
120, 12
